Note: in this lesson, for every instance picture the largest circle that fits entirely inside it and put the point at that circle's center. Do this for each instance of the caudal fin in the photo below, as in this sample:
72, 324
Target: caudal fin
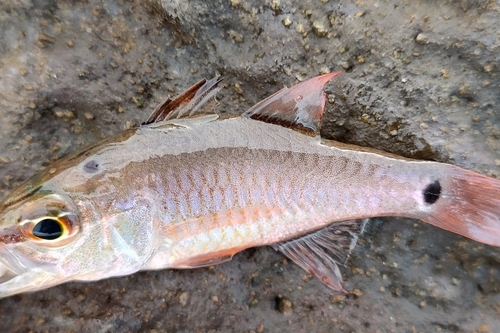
469, 205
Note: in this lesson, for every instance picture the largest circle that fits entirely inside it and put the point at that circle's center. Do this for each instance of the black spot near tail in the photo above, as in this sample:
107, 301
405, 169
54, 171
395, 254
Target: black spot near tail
432, 192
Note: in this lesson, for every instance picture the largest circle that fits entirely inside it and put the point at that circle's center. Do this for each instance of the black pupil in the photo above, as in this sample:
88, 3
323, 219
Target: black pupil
48, 229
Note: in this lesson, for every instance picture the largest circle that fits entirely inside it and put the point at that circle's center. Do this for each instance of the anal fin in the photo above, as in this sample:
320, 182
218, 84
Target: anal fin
321, 252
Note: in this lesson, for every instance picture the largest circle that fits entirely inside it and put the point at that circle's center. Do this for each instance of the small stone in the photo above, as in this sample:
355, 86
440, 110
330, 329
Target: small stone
287, 22
345, 64
483, 329
64, 114
45, 38
236, 37
275, 5
235, 3
337, 299
238, 89
215, 299
300, 29
253, 302
70, 43
422, 39
283, 305
324, 70
184, 298
23, 72
128, 125
319, 28
396, 292
357, 293
359, 14
88, 116
138, 101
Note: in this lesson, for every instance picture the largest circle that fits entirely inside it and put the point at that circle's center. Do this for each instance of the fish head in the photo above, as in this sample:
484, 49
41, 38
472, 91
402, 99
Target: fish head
70, 225
35, 223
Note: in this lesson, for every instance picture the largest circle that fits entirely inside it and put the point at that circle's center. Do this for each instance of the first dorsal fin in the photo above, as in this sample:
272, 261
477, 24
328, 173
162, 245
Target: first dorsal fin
321, 252
299, 107
192, 101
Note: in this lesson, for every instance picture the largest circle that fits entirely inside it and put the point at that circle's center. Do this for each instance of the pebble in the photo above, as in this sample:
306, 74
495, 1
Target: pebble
283, 305
184, 298
422, 39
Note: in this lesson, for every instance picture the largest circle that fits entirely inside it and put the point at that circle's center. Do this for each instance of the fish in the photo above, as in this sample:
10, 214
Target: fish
191, 188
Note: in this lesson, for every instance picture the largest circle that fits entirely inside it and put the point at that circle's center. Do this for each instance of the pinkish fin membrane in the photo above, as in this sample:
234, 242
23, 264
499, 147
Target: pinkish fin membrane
321, 252
469, 205
191, 102
299, 107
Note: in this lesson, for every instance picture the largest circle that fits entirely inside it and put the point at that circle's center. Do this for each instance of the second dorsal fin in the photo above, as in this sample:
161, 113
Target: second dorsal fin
189, 103
299, 107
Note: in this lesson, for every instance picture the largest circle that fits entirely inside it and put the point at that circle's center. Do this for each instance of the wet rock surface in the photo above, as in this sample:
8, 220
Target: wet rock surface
421, 79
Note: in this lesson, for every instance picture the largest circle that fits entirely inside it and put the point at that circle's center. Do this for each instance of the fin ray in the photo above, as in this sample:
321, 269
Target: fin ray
469, 205
321, 252
299, 107
191, 102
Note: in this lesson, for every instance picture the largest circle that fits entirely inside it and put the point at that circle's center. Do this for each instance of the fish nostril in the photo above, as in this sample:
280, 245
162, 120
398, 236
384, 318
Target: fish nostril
91, 166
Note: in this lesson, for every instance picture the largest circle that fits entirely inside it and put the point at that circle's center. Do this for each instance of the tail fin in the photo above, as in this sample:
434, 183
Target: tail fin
469, 205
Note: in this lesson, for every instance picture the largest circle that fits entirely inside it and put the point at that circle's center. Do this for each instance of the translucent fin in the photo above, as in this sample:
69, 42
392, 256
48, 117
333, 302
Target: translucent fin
192, 101
207, 259
322, 252
299, 107
468, 204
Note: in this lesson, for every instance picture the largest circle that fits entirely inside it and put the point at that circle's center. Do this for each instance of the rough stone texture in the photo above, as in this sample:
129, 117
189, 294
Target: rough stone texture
421, 80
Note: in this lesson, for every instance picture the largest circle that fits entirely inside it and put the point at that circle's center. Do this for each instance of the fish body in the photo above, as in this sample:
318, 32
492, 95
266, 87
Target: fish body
190, 190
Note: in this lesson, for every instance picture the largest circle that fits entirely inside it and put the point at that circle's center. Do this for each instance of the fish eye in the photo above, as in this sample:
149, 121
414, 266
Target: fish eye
50, 220
48, 229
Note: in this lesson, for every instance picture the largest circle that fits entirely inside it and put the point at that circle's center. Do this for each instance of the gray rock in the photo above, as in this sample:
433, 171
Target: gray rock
433, 98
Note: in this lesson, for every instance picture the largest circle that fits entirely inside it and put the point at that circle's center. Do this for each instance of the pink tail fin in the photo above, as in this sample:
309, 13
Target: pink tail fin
469, 205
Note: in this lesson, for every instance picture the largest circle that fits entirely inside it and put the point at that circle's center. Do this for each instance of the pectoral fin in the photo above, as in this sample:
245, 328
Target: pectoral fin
322, 252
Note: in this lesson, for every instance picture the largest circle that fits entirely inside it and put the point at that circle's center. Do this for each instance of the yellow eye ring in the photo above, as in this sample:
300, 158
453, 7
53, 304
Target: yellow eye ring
51, 220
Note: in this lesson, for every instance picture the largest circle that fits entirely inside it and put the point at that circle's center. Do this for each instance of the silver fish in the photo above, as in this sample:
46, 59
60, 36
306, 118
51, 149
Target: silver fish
189, 188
